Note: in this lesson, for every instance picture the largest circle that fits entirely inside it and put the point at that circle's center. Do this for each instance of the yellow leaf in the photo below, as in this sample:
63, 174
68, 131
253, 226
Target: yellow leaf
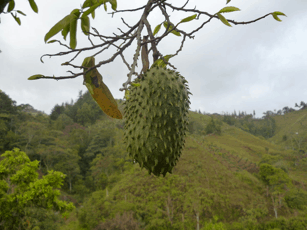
99, 91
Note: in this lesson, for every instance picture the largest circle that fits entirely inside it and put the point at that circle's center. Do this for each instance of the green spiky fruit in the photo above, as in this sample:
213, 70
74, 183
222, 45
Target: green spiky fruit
156, 119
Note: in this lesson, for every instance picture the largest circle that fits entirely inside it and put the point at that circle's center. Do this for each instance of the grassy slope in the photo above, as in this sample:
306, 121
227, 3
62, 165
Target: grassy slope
290, 124
224, 165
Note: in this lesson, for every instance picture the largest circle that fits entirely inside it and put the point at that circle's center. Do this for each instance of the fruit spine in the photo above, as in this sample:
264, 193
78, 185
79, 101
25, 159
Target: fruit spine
156, 119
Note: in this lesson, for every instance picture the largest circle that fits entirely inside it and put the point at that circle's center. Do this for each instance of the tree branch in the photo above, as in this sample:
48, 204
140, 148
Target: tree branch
134, 32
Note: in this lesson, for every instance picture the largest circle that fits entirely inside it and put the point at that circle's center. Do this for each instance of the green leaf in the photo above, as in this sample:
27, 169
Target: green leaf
228, 9
228, 1
16, 19
176, 33
65, 31
279, 13
157, 29
52, 41
11, 6
188, 18
136, 84
93, 14
85, 24
105, 6
171, 27
274, 14
58, 27
65, 63
87, 61
35, 77
87, 3
21, 13
221, 17
76, 12
73, 33
90, 10
33, 6
114, 4
160, 62
276, 18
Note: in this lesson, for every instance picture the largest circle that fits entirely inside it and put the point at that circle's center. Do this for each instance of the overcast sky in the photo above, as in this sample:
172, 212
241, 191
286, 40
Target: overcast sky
259, 66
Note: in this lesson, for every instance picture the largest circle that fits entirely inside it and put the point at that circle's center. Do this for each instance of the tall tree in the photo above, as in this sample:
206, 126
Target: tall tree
275, 179
57, 111
69, 165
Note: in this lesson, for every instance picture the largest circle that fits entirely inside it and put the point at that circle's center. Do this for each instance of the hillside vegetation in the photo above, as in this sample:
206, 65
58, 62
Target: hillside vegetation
235, 172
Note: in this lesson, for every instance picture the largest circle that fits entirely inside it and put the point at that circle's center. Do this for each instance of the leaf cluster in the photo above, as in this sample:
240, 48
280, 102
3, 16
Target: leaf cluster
20, 188
11, 6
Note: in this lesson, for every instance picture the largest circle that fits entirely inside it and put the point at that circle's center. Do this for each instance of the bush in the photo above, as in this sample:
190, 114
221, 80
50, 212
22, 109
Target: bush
213, 127
296, 199
214, 225
20, 189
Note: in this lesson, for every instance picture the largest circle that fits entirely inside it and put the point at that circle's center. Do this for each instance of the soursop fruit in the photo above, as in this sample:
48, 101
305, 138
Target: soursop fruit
156, 119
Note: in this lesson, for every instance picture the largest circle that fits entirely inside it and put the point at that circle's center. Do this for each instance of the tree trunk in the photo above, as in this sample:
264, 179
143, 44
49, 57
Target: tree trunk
197, 219
275, 208
275, 212
169, 205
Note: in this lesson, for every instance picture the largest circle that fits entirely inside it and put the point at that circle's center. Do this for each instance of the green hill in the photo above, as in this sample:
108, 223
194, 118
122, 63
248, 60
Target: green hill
234, 172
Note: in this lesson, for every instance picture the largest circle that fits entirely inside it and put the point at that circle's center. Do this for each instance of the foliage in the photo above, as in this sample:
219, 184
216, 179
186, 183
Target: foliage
120, 222
7, 105
85, 116
213, 127
57, 111
274, 177
8, 112
105, 167
20, 189
297, 199
90, 153
265, 128
69, 165
293, 223
62, 121
269, 159
214, 225
195, 126
230, 120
